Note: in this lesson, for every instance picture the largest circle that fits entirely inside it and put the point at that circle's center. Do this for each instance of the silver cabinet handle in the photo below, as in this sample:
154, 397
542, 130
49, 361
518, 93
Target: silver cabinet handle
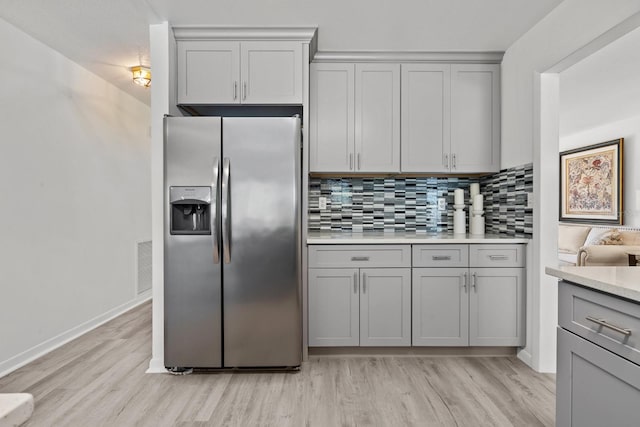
244, 91
350, 161
358, 161
474, 281
364, 283
235, 90
446, 161
498, 257
355, 283
465, 282
226, 205
453, 158
359, 258
441, 257
215, 233
604, 323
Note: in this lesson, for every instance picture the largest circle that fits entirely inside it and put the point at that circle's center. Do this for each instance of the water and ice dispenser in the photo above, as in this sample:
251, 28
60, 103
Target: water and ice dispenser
190, 210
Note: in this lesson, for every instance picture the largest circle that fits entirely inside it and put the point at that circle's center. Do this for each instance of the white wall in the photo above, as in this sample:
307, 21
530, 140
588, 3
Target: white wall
530, 133
629, 129
75, 189
569, 27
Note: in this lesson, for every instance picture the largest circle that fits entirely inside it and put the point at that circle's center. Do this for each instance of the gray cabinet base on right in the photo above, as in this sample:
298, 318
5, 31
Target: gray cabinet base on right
595, 387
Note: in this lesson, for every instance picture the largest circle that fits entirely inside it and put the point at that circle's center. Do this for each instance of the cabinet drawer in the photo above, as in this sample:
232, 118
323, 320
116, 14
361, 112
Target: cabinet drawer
440, 255
496, 255
354, 256
610, 322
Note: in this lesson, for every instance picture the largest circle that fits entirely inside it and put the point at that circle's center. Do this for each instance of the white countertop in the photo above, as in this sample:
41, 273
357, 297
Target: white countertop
619, 281
349, 238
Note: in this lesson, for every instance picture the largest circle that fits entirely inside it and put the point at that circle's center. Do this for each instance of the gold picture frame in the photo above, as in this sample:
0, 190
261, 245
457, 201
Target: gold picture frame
591, 184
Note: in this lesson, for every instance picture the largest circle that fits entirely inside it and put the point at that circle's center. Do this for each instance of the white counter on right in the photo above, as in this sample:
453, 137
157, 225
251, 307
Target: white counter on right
620, 281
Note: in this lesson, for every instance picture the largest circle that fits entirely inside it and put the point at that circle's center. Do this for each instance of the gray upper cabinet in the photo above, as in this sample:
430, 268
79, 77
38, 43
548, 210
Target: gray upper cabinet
229, 72
450, 118
332, 124
377, 118
426, 105
475, 118
355, 125
271, 72
208, 72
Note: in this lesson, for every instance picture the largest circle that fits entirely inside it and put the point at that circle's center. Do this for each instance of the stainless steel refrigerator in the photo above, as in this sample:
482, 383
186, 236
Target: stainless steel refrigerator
232, 242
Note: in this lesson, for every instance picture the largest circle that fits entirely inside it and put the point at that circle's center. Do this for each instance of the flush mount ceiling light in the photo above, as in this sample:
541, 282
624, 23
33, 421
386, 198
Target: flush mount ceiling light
141, 75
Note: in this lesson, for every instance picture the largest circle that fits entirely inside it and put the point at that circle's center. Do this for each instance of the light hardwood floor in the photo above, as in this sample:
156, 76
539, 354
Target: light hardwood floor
99, 380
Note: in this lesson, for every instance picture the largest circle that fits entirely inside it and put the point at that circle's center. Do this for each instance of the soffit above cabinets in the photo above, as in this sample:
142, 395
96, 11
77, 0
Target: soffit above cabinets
410, 56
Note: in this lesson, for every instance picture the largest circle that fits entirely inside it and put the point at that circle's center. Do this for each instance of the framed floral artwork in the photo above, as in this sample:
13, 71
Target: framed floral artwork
591, 183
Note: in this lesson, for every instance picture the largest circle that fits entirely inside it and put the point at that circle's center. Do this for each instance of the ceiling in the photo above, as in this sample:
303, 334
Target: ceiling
602, 88
108, 37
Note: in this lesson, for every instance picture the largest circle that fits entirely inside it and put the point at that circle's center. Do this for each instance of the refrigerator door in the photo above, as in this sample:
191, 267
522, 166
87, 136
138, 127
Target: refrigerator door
261, 253
192, 278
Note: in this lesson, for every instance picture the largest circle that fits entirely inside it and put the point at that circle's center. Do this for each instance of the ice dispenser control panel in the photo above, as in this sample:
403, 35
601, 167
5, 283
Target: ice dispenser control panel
190, 211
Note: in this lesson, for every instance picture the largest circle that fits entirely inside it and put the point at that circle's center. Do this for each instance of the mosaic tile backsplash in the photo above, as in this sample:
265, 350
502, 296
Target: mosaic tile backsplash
411, 204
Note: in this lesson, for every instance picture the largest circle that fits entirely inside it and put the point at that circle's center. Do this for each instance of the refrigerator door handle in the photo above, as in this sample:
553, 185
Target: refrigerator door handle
215, 232
226, 226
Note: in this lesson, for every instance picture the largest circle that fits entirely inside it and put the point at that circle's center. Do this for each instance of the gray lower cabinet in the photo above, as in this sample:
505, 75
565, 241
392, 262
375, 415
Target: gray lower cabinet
385, 307
598, 372
440, 307
468, 295
595, 387
462, 307
359, 307
496, 307
334, 307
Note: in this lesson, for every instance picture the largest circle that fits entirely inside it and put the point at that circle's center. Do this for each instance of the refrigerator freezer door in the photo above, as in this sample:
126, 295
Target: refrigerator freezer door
262, 315
192, 279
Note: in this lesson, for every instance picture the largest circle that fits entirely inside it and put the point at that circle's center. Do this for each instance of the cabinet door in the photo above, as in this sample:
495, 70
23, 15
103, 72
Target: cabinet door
333, 307
208, 72
271, 73
440, 307
475, 118
377, 121
594, 386
385, 307
332, 118
496, 307
426, 98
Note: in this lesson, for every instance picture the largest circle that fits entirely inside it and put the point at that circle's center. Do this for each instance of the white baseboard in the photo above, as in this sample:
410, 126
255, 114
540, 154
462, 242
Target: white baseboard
526, 357
156, 366
41, 349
